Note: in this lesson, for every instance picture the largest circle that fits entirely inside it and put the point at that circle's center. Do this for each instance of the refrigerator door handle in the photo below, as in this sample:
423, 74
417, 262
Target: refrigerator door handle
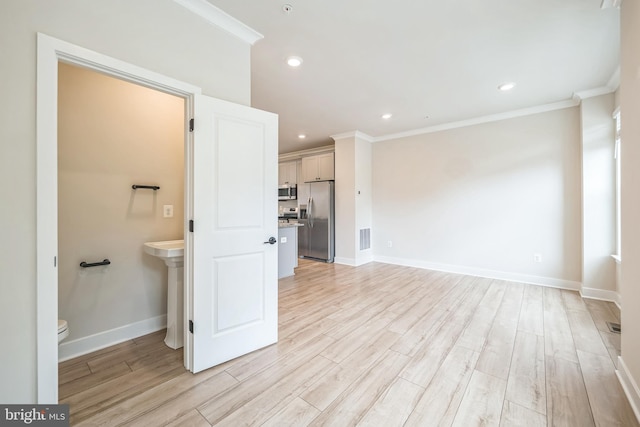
310, 212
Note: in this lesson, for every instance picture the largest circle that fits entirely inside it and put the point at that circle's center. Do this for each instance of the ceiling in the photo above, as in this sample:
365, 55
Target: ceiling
426, 62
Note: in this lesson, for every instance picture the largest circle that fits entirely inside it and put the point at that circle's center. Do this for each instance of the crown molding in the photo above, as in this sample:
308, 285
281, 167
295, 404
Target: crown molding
591, 93
221, 19
296, 155
353, 134
480, 120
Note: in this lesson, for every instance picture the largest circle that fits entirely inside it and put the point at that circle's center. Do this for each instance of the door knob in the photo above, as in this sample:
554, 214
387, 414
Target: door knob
272, 241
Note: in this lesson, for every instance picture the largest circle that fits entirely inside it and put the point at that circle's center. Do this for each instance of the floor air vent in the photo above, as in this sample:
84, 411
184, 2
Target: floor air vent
614, 327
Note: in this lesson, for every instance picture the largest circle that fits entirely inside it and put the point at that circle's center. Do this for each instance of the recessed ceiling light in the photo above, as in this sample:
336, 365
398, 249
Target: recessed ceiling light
294, 61
302, 136
386, 116
506, 86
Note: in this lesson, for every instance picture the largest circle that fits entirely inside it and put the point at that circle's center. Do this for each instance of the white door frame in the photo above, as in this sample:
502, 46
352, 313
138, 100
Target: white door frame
50, 52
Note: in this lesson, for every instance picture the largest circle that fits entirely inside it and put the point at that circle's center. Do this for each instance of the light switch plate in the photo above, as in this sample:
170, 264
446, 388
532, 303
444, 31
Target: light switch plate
283, 240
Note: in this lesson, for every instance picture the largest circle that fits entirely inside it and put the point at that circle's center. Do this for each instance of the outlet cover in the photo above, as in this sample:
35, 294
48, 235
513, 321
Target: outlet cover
167, 211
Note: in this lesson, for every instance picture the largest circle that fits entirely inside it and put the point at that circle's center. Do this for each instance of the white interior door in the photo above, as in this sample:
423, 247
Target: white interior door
235, 286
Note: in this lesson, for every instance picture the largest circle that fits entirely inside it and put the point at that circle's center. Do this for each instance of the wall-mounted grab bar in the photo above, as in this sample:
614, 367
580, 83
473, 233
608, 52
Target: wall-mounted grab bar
94, 264
150, 187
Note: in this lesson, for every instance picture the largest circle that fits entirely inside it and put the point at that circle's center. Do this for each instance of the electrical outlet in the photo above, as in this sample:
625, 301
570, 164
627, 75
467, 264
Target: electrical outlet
167, 211
389, 243
537, 257
283, 239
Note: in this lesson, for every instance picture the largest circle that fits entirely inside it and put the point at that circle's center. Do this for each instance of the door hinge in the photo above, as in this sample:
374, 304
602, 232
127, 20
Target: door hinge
191, 225
191, 122
191, 326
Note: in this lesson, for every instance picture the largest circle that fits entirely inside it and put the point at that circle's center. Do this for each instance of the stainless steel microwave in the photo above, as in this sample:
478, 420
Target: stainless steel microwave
288, 192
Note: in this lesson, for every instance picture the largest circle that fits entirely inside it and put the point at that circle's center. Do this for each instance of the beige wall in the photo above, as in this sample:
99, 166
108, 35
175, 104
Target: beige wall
630, 111
598, 197
158, 35
363, 196
484, 197
353, 198
345, 201
112, 134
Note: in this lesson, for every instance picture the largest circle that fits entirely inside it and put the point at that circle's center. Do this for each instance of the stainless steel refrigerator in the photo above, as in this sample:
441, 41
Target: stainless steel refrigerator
317, 238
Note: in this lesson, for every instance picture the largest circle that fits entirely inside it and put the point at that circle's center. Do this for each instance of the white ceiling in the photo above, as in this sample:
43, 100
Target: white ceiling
419, 58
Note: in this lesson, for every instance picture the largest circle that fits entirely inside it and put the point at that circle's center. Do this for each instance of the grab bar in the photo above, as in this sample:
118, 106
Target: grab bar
94, 264
150, 187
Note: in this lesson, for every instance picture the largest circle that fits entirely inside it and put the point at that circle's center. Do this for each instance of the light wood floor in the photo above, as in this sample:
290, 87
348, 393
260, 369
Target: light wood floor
378, 345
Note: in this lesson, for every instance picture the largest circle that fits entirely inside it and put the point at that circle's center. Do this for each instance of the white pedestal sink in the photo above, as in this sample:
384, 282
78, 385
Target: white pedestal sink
172, 253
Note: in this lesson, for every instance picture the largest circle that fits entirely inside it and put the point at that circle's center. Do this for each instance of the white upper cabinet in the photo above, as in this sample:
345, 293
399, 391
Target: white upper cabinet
287, 173
318, 168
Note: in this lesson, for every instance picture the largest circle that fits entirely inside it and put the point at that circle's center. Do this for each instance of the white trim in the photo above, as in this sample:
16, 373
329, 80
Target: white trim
354, 134
49, 52
78, 347
592, 93
480, 120
46, 222
629, 386
345, 261
217, 17
480, 272
297, 155
352, 261
600, 294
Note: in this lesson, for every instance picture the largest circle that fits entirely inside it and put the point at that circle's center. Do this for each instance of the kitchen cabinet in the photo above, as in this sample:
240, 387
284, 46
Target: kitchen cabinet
318, 168
287, 173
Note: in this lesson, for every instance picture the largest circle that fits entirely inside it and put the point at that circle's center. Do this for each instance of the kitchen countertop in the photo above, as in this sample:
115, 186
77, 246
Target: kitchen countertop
289, 224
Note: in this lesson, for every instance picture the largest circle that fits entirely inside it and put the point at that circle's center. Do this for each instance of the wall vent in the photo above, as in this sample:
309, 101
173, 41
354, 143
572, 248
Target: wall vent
365, 239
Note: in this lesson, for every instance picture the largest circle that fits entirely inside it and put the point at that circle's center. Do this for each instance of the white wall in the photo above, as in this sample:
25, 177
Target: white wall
158, 35
345, 201
630, 278
598, 197
483, 199
353, 198
112, 134
363, 195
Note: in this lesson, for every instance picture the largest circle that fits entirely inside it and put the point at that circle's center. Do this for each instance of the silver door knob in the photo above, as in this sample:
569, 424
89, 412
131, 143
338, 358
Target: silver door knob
272, 241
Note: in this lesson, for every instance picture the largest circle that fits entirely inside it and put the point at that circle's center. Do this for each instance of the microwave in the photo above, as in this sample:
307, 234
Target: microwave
287, 192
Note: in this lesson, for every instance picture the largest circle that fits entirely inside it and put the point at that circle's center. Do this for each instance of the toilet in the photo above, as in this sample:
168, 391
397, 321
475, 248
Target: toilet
63, 330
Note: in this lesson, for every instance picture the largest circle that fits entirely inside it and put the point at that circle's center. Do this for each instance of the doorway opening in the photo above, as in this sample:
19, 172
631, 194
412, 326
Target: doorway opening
113, 135
52, 53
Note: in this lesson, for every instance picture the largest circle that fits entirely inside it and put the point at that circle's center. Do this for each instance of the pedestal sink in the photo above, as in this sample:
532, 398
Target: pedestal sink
172, 253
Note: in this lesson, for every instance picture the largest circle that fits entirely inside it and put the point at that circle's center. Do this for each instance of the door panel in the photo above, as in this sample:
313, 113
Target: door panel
240, 169
234, 294
238, 278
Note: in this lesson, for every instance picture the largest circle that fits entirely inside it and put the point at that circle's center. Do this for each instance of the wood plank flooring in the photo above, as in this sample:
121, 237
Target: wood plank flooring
378, 345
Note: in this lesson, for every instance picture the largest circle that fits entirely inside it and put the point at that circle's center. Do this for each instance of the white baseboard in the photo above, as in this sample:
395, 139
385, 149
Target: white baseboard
479, 272
345, 261
593, 293
629, 386
352, 261
70, 349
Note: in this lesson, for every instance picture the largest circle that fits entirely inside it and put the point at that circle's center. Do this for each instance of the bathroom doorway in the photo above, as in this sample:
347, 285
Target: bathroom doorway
241, 151
113, 134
